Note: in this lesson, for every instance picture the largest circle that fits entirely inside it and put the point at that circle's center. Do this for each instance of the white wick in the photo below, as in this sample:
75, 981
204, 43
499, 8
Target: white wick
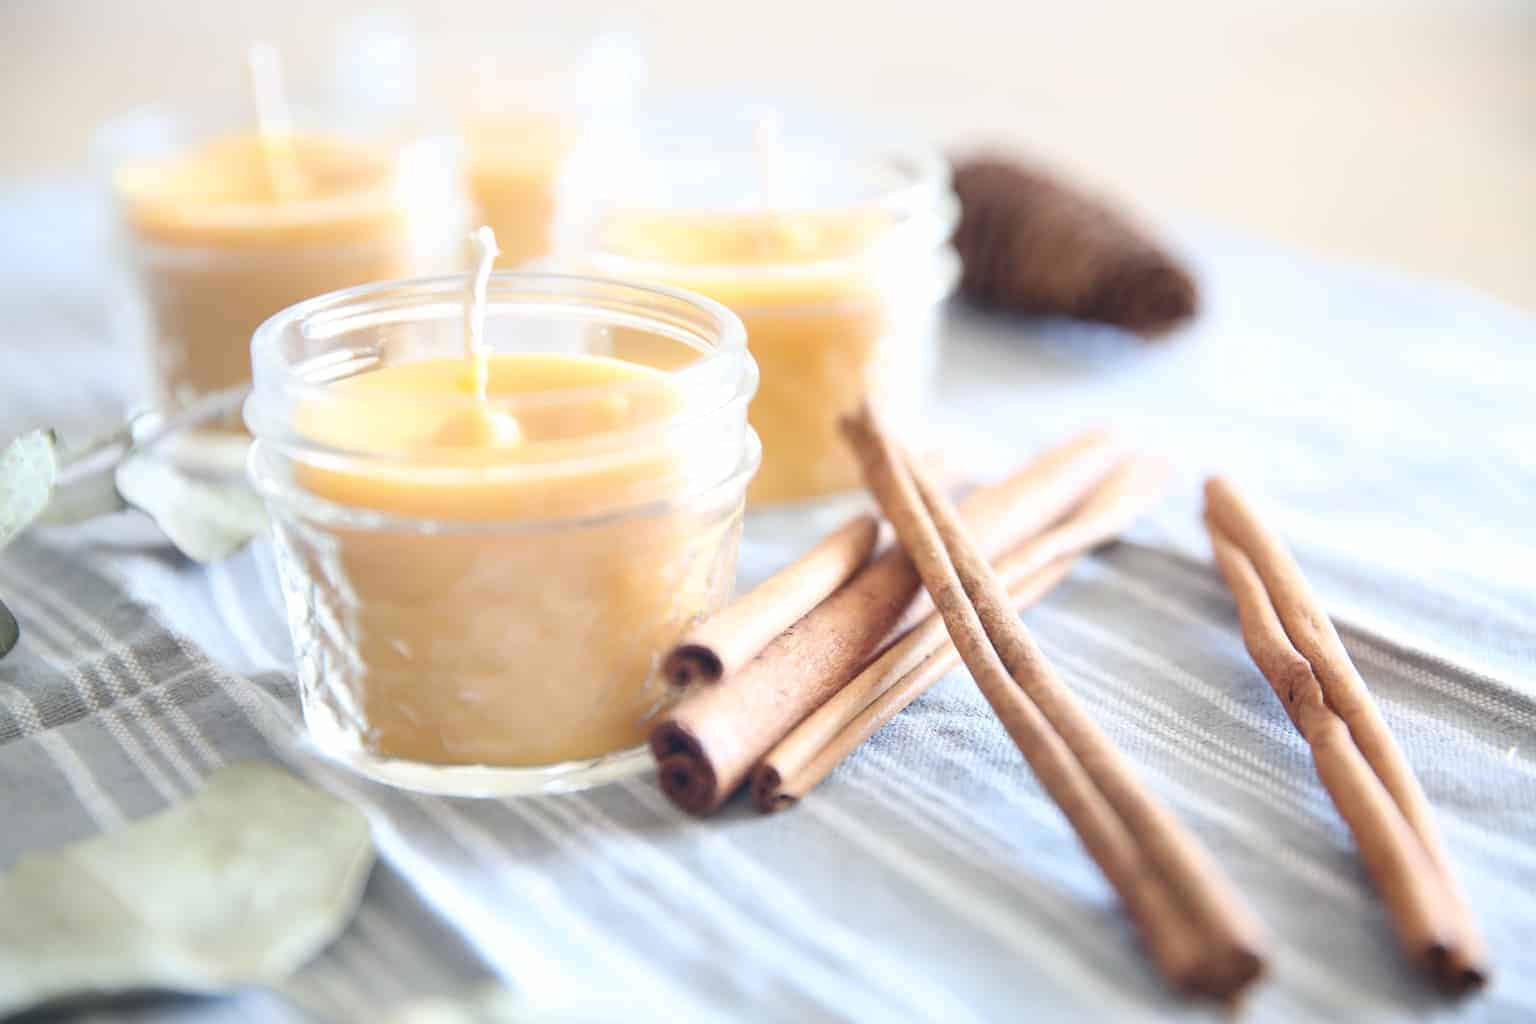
792, 232
273, 121
475, 350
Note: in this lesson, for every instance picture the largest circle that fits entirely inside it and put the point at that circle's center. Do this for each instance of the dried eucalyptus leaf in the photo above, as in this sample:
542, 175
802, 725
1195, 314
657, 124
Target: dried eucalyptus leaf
29, 468
10, 630
77, 501
240, 885
207, 520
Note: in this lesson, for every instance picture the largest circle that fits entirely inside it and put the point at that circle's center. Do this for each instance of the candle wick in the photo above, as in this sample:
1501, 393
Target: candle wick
475, 350
273, 123
783, 229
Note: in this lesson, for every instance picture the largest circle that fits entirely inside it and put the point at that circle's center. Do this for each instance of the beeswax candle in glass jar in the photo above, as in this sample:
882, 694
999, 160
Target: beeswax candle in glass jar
218, 228
834, 251
524, 104
481, 578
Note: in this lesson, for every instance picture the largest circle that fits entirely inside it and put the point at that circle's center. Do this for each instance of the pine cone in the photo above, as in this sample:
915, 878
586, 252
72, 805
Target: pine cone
1029, 242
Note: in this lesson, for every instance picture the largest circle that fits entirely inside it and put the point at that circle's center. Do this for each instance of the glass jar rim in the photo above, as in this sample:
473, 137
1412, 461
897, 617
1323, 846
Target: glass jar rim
730, 334
724, 373
310, 506
143, 131
922, 209
409, 165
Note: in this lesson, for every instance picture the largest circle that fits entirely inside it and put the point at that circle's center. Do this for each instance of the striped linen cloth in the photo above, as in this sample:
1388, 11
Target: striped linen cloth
1387, 426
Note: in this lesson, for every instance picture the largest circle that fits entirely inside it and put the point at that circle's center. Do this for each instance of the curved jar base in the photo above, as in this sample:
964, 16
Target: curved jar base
475, 780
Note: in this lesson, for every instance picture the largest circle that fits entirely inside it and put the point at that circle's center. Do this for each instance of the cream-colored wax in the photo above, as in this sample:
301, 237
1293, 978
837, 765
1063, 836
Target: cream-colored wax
219, 243
524, 625
818, 323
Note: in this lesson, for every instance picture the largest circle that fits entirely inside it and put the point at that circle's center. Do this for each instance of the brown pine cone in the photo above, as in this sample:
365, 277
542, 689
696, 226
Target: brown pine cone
1029, 242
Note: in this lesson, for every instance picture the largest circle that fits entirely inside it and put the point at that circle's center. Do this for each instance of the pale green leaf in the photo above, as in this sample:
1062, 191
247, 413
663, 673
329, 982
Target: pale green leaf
29, 468
82, 499
207, 520
241, 885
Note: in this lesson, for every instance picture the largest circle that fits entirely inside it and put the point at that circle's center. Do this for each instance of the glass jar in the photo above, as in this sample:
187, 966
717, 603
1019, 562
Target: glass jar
832, 246
524, 104
209, 245
482, 620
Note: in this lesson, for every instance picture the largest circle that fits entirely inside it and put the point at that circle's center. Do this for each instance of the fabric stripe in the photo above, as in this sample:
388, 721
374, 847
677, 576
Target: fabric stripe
792, 914
103, 810
110, 710
57, 621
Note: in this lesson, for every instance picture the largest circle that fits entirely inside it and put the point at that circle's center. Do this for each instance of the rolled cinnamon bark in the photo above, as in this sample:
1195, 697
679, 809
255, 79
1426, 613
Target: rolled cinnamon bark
1200, 935
725, 642
1458, 960
706, 744
1392, 853
924, 653
901, 674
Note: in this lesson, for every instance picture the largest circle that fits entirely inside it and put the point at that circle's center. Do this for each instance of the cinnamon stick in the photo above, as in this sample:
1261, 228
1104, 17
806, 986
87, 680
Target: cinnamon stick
1296, 646
1200, 934
923, 654
902, 673
706, 744
725, 642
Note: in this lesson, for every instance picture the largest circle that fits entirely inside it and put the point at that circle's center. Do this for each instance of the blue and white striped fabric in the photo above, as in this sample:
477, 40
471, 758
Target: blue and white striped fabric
1389, 430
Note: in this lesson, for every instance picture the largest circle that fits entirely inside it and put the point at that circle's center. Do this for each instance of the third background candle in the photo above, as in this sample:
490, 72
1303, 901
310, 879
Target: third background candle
831, 244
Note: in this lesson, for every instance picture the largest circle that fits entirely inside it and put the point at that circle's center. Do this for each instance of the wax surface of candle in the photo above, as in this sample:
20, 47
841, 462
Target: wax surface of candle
515, 641
217, 249
223, 193
820, 322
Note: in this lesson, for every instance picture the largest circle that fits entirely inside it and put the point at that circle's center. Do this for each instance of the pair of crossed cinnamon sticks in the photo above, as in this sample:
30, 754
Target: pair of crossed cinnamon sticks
792, 677
1198, 930
1295, 645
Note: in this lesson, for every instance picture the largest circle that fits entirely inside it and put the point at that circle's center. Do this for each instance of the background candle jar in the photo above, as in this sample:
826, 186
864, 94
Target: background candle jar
217, 230
480, 589
524, 106
835, 255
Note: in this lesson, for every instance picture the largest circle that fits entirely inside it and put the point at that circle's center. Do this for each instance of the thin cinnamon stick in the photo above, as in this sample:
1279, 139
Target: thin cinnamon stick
1392, 853
1234, 933
909, 666
1192, 946
706, 743
904, 672
1458, 959
1105, 513
725, 642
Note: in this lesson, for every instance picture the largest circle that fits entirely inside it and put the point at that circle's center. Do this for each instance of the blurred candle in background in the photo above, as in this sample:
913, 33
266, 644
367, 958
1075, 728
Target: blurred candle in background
522, 106
832, 246
223, 221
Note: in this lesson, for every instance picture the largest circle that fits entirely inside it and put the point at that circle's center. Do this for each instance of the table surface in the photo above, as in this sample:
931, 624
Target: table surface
1386, 426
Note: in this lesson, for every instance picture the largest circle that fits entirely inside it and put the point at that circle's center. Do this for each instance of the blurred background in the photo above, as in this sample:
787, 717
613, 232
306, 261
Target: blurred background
1394, 132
